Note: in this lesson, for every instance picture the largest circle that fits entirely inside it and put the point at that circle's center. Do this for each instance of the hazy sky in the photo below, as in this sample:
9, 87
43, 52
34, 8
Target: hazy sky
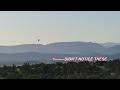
25, 27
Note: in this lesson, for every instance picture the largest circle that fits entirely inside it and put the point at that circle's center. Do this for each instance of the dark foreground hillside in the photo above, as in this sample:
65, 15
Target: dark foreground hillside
70, 70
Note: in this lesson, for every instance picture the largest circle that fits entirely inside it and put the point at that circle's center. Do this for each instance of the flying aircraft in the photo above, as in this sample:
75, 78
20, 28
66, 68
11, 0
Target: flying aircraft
38, 40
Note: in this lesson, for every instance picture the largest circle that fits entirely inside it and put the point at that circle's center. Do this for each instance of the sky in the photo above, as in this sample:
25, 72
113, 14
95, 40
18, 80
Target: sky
26, 27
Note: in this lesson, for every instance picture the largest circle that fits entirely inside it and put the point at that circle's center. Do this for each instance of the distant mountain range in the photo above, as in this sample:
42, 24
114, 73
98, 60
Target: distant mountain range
60, 48
83, 48
44, 53
109, 44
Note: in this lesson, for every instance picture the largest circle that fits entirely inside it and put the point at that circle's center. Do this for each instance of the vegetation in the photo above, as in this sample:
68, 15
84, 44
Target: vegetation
70, 70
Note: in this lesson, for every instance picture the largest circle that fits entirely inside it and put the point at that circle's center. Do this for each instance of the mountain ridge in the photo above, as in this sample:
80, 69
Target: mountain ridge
57, 47
38, 53
61, 48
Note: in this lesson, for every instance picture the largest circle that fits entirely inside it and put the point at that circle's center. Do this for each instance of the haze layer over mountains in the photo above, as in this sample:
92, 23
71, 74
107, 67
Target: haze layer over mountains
44, 53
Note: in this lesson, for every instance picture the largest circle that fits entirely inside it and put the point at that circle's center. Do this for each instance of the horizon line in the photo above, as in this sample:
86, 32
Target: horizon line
56, 42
